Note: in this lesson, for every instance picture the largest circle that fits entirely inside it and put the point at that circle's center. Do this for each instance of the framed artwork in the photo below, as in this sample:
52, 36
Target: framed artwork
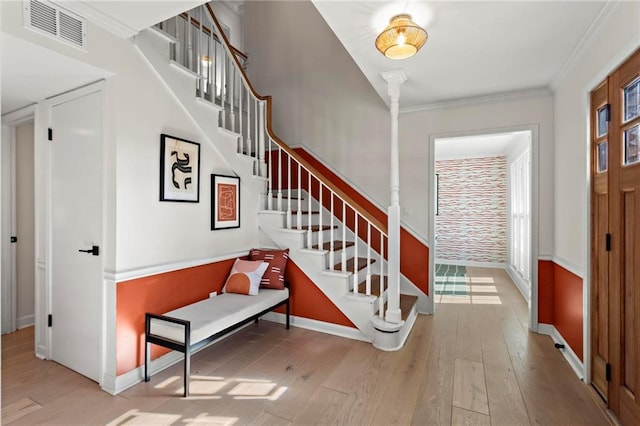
225, 202
179, 170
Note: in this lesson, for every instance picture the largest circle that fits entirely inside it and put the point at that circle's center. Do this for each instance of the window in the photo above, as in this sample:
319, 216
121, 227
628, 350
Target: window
521, 214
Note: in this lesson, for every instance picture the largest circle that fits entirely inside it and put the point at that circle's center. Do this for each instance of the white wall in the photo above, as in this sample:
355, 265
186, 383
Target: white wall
321, 99
232, 20
25, 221
417, 127
143, 231
617, 36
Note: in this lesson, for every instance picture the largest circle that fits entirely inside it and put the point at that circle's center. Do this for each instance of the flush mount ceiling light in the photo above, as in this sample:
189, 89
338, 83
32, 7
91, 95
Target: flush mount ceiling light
402, 38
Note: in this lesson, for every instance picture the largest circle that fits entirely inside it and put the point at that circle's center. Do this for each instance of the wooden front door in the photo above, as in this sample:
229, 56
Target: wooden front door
616, 200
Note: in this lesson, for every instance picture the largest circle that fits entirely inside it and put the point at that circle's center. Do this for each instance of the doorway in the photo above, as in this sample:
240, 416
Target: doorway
484, 212
18, 223
68, 208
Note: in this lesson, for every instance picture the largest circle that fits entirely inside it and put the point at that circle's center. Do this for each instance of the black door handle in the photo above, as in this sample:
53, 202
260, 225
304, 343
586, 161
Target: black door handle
94, 250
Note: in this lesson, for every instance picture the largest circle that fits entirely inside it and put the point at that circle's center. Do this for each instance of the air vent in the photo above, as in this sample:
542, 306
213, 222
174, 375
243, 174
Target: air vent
50, 19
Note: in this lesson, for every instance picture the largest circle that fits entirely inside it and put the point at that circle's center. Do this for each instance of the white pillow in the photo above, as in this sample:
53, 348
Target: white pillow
245, 277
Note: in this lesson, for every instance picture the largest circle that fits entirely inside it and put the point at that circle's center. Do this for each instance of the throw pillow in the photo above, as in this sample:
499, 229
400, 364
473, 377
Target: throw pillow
274, 277
245, 277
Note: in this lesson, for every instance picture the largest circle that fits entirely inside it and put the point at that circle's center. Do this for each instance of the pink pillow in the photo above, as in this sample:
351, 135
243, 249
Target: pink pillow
245, 277
274, 277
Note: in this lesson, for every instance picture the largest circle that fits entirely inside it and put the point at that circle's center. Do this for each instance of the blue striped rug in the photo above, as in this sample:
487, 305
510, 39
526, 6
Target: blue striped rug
451, 280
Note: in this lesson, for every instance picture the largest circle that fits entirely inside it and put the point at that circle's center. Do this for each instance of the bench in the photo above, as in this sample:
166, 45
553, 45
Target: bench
192, 327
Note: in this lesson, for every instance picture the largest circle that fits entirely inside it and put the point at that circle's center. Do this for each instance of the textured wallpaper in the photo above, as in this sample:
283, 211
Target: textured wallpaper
471, 224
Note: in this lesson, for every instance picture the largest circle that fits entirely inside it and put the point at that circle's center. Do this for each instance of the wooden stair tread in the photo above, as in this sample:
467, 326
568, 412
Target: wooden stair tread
337, 245
406, 304
316, 228
375, 285
362, 263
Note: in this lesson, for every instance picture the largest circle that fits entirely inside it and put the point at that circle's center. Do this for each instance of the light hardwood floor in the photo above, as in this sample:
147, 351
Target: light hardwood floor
472, 363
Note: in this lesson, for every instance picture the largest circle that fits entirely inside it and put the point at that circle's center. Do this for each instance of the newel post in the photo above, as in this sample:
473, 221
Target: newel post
393, 315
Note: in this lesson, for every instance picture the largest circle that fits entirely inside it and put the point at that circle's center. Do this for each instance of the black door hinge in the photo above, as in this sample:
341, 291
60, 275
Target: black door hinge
50, 134
607, 108
608, 372
49, 320
14, 239
608, 242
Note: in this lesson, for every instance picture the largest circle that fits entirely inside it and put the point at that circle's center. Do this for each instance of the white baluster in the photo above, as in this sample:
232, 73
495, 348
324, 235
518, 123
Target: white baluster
289, 189
199, 68
344, 236
381, 299
309, 234
189, 63
261, 131
270, 179
279, 203
320, 234
355, 259
249, 147
241, 86
215, 84
368, 282
223, 88
331, 248
232, 78
176, 46
299, 214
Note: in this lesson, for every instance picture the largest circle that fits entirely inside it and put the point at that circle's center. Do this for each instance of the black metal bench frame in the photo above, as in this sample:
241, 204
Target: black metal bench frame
187, 348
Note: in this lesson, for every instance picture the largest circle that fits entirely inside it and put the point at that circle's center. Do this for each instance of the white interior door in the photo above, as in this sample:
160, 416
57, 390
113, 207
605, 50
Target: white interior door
76, 224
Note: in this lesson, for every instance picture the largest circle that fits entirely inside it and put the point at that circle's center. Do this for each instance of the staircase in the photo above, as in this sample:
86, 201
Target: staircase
336, 243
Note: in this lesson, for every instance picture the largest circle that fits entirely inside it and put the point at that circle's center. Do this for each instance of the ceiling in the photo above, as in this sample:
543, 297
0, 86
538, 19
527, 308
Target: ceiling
475, 48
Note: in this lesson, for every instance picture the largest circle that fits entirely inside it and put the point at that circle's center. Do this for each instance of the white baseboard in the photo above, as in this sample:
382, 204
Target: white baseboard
568, 353
499, 265
315, 325
520, 283
26, 321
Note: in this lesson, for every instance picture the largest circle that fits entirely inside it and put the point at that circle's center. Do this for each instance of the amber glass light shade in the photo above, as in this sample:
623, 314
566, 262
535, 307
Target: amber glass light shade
402, 38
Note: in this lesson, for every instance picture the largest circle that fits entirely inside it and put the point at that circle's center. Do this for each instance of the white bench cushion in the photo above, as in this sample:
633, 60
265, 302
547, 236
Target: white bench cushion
212, 315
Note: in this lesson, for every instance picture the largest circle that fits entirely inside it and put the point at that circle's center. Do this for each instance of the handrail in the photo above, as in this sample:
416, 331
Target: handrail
312, 170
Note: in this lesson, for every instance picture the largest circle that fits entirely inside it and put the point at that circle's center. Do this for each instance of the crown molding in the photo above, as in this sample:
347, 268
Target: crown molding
539, 92
588, 35
86, 10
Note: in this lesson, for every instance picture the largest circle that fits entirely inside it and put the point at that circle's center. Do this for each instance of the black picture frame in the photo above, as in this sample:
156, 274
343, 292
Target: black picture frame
225, 202
179, 176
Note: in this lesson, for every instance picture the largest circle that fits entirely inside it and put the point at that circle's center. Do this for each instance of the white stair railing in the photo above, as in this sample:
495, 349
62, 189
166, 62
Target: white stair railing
200, 46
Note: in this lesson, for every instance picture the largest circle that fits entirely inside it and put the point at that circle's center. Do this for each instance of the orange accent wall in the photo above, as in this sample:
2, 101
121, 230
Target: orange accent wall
414, 255
158, 294
567, 312
545, 291
308, 301
164, 292
560, 303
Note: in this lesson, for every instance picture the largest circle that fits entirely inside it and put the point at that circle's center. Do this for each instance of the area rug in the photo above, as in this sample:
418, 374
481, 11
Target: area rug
451, 280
